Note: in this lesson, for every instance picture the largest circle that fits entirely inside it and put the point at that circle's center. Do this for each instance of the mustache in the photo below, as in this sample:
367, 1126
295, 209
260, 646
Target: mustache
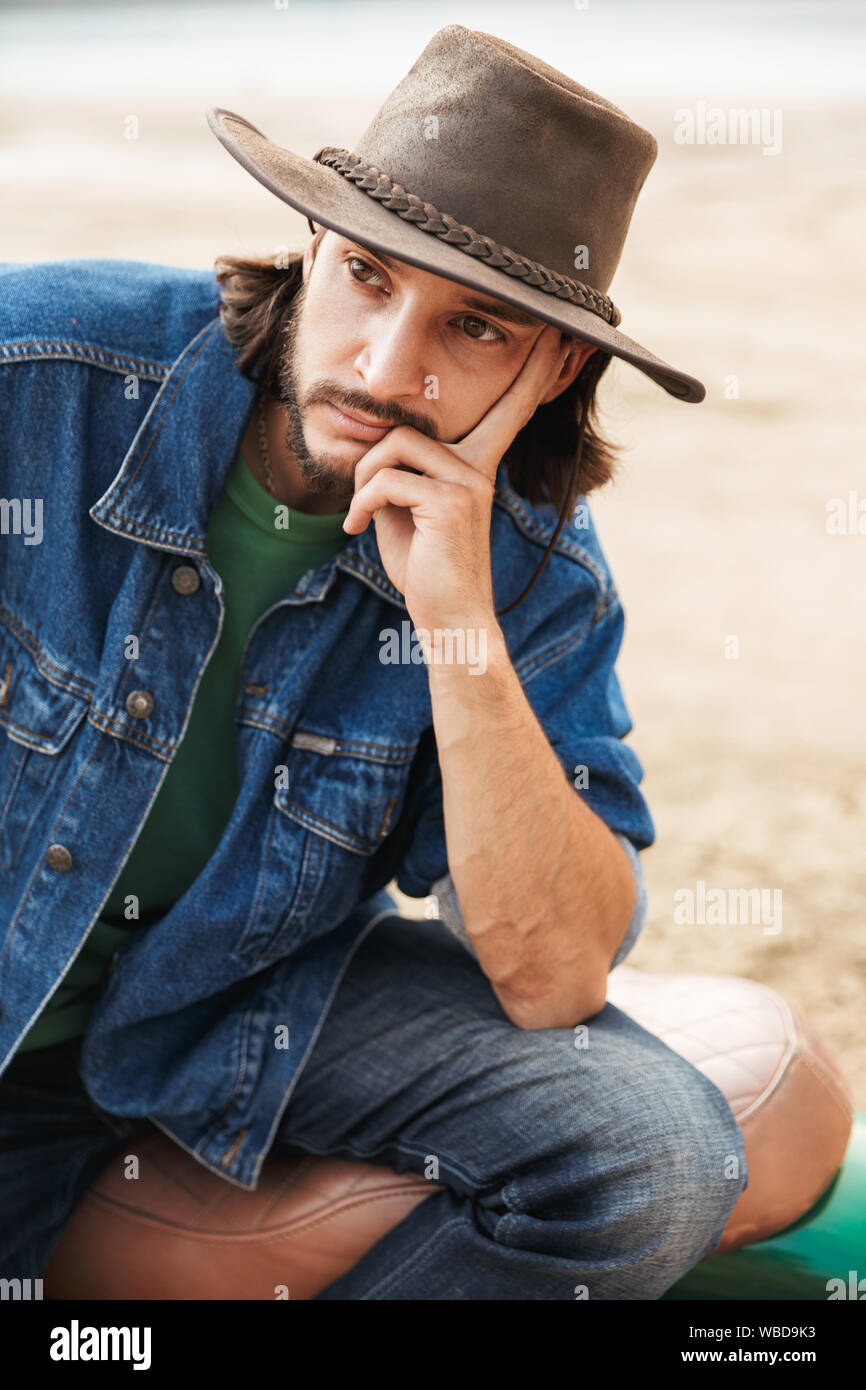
330, 393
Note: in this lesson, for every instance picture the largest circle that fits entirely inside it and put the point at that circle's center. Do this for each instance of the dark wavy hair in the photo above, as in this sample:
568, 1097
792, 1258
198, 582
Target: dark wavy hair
556, 458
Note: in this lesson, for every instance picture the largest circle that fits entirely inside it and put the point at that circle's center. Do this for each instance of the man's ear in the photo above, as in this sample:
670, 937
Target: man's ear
573, 364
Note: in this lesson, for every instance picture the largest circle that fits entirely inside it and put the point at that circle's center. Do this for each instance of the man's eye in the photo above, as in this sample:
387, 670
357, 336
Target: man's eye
485, 327
354, 261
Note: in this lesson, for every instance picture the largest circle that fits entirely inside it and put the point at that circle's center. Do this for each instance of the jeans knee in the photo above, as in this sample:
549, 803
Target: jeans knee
635, 1172
695, 1162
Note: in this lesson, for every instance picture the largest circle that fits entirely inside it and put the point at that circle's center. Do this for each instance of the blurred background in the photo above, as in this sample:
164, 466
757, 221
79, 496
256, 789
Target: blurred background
732, 529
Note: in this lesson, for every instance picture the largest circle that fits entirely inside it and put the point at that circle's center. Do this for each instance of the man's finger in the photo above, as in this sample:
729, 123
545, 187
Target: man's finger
393, 487
403, 444
489, 439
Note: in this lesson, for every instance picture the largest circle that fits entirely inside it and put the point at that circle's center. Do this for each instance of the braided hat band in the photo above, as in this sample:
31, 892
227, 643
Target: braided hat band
428, 218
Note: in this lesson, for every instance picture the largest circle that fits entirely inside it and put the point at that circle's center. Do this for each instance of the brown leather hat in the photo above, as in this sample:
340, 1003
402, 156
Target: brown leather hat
488, 167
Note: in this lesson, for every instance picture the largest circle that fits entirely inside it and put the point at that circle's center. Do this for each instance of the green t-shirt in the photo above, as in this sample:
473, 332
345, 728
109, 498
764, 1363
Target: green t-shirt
258, 562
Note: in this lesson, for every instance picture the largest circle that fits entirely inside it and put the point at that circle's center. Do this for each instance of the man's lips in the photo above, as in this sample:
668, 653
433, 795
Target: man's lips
357, 428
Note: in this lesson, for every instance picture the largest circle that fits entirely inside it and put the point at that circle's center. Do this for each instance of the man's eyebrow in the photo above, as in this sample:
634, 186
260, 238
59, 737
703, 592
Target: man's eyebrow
500, 310
496, 308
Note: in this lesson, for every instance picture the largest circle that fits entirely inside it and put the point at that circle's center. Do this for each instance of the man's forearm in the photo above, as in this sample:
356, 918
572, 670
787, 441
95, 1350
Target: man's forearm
545, 890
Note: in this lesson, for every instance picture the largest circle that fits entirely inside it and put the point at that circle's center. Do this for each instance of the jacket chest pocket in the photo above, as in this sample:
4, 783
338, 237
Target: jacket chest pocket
37, 720
342, 800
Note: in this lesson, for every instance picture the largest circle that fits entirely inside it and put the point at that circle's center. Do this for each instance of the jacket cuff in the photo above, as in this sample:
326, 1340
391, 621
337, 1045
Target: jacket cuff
639, 916
449, 912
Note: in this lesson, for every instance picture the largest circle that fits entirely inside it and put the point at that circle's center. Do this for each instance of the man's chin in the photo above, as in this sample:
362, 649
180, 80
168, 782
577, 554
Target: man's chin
330, 474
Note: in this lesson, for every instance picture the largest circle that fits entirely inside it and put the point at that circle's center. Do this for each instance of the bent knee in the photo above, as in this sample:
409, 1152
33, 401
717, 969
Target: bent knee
684, 1162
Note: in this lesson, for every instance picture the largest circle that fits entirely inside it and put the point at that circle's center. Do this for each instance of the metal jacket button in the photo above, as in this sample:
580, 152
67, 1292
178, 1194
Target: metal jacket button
185, 579
58, 857
139, 703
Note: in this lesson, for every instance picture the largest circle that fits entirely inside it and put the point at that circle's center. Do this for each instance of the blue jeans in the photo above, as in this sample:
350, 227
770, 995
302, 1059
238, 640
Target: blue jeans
594, 1163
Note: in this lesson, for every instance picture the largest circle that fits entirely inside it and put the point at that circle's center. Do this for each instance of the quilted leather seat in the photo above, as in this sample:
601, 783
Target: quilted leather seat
181, 1232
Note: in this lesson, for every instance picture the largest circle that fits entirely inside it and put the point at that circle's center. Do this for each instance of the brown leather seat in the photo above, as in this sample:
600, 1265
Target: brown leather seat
181, 1232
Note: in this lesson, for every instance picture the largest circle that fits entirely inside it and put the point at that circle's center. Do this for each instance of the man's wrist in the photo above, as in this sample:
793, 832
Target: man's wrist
458, 647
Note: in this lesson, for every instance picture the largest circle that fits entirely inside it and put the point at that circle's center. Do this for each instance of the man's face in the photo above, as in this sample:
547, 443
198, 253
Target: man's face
396, 345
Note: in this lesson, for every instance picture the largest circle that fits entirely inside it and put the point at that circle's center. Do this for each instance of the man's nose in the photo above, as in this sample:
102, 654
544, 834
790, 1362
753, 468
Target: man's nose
392, 361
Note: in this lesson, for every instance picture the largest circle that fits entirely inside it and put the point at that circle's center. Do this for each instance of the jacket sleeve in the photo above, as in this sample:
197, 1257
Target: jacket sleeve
572, 686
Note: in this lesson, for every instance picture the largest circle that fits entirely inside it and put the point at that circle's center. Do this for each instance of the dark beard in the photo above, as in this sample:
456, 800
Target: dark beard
324, 474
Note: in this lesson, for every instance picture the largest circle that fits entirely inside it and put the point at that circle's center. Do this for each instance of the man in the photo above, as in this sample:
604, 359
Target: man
301, 621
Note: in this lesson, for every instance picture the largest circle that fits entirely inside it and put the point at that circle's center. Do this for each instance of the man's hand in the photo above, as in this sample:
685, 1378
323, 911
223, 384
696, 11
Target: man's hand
433, 525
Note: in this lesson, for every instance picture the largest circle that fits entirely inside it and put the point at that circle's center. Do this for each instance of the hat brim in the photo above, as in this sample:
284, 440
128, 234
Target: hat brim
327, 198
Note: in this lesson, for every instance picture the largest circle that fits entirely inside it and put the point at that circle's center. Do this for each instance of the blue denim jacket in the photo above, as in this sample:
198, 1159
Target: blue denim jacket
122, 407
